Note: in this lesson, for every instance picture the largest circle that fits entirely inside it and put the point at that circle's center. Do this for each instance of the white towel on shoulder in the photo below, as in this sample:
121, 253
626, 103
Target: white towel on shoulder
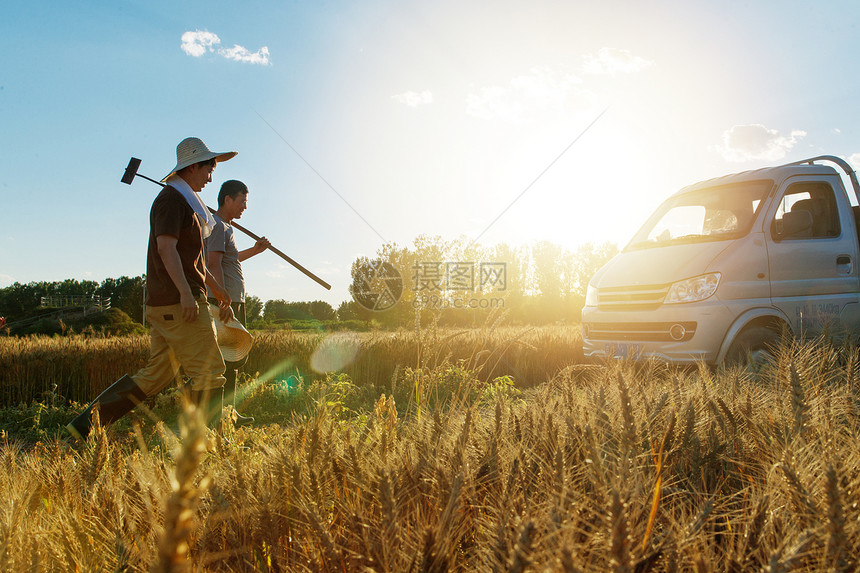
207, 222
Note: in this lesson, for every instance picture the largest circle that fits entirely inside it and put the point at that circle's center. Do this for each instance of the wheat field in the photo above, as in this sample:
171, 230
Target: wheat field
79, 367
438, 467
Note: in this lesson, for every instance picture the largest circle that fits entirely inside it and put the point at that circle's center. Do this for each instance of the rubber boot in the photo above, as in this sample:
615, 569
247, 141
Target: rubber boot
115, 402
230, 397
211, 401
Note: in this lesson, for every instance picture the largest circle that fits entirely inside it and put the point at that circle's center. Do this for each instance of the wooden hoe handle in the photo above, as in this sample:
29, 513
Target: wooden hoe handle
280, 254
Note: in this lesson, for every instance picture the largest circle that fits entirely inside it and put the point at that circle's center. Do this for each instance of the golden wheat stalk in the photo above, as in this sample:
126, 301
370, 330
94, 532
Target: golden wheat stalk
523, 549
834, 553
174, 547
658, 484
620, 548
798, 401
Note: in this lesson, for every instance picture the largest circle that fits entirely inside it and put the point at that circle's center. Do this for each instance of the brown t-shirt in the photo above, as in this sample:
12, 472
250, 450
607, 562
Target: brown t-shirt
172, 215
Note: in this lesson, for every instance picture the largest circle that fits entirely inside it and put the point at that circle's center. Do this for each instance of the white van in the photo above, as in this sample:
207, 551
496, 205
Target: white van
723, 266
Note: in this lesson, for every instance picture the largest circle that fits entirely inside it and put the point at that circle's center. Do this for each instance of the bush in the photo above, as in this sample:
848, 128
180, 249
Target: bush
112, 321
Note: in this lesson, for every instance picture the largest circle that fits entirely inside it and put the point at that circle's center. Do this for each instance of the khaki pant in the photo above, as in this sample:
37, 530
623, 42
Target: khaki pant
175, 342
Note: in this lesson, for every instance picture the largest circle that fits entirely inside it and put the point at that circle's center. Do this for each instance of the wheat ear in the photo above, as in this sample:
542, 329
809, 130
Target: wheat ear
836, 539
179, 513
620, 551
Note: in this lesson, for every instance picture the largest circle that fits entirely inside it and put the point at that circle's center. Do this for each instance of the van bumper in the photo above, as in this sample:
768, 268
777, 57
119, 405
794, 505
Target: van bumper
684, 334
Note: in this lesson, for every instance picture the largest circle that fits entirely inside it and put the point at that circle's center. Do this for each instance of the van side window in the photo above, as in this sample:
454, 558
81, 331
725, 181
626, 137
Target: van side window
806, 211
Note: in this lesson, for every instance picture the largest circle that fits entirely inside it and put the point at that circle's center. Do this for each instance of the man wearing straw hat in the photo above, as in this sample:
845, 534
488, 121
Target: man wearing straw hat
224, 260
181, 327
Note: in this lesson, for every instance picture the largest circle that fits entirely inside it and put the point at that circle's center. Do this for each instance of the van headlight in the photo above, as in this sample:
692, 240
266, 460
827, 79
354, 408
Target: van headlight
694, 289
590, 296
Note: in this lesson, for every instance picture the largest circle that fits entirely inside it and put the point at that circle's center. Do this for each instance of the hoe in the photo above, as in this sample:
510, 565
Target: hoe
131, 173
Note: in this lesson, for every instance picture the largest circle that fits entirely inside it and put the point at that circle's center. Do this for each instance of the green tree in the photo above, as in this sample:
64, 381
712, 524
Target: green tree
516, 279
276, 310
126, 294
549, 270
322, 310
19, 299
587, 260
72, 287
253, 308
351, 310
379, 288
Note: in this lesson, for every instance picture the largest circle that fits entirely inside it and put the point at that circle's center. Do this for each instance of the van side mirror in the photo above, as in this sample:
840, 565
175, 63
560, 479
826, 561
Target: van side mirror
795, 225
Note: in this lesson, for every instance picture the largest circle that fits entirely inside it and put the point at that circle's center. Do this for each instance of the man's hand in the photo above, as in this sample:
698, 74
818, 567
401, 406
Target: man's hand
223, 299
189, 307
226, 314
261, 245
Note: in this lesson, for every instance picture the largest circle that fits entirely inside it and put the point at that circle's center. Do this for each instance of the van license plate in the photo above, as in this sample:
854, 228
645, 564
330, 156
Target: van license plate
622, 350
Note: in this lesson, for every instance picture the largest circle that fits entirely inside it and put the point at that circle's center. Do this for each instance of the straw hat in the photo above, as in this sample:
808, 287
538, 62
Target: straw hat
192, 150
233, 340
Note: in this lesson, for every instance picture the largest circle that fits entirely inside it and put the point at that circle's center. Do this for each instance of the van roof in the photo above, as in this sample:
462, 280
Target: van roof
777, 174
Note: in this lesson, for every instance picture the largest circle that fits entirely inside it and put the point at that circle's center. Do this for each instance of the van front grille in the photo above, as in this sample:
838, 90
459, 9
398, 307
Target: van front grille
646, 297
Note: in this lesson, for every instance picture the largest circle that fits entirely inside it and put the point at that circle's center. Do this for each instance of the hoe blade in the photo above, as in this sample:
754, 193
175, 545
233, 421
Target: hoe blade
131, 170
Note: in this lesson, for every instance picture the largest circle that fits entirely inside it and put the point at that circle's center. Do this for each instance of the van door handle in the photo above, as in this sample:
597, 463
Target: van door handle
843, 260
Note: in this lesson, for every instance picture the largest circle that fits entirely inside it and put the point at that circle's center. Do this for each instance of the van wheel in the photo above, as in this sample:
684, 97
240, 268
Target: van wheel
754, 347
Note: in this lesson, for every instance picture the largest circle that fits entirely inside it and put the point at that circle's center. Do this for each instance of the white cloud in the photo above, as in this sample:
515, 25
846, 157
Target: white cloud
5, 280
748, 142
277, 271
541, 90
241, 54
414, 99
199, 42
612, 61
854, 160
493, 101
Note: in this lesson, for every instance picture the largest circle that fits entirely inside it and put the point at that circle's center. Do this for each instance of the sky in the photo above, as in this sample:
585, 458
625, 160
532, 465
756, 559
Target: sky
376, 121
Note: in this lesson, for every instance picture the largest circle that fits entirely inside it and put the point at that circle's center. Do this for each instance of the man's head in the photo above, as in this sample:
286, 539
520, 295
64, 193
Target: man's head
232, 199
197, 175
192, 152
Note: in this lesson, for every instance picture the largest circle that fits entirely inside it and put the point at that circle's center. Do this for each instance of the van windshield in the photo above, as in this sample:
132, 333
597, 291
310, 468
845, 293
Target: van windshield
711, 214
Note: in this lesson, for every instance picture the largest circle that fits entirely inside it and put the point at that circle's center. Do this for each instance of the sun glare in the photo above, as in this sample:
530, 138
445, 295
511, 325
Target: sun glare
600, 190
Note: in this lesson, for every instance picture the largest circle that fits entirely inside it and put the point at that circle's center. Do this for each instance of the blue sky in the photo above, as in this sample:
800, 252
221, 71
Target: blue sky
425, 117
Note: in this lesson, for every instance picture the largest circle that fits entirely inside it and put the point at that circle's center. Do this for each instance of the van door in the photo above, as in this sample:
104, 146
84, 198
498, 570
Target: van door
812, 255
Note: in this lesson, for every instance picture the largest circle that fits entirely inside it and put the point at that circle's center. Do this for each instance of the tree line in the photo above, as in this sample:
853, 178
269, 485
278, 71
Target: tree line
22, 300
452, 282
461, 283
